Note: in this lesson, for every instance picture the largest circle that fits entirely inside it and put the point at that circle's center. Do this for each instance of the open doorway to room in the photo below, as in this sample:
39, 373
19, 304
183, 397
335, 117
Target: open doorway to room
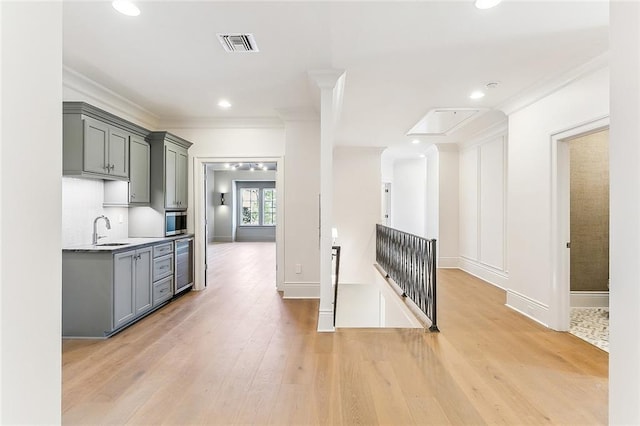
241, 218
580, 230
589, 237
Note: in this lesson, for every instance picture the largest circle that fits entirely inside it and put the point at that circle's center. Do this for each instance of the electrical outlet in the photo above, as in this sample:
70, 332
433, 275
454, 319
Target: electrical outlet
298, 268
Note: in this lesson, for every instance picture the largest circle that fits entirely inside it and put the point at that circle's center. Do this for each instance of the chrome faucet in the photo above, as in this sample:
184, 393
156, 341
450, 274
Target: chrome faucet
96, 237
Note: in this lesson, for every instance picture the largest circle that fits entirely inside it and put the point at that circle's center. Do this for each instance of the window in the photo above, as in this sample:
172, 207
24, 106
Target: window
257, 207
250, 206
269, 206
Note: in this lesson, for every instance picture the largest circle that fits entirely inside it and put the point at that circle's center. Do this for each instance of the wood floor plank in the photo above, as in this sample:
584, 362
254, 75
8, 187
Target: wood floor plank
237, 353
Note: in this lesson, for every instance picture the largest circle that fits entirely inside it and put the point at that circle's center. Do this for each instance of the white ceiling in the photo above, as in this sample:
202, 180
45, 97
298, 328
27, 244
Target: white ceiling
401, 58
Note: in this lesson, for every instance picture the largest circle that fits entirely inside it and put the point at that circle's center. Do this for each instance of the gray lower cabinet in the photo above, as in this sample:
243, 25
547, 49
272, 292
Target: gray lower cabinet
103, 292
162, 273
132, 291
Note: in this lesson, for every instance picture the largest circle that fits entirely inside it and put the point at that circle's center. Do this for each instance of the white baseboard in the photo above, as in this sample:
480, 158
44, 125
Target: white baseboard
222, 239
484, 272
528, 307
325, 321
302, 290
589, 299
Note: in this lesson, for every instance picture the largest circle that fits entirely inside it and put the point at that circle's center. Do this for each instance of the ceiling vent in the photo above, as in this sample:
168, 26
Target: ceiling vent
238, 42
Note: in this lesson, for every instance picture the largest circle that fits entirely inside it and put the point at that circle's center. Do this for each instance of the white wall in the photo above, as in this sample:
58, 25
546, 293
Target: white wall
624, 149
356, 209
483, 186
529, 189
30, 170
432, 197
301, 204
448, 224
408, 192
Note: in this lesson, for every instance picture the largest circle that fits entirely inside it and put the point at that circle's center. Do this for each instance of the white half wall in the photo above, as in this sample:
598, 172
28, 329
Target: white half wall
529, 191
356, 209
30, 216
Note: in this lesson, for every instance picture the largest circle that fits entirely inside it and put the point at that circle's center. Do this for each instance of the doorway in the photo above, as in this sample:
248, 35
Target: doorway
580, 224
589, 237
218, 183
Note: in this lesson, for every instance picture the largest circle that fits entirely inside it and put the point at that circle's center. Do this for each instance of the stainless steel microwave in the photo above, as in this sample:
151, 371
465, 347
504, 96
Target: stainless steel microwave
175, 223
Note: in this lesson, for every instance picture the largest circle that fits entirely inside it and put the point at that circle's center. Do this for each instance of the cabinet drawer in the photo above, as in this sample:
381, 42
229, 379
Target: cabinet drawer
162, 249
162, 267
162, 291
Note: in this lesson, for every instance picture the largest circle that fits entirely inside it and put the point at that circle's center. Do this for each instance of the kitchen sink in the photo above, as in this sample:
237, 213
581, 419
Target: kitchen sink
111, 244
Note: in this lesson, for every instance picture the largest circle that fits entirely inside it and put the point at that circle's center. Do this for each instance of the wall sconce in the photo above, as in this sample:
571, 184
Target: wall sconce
222, 198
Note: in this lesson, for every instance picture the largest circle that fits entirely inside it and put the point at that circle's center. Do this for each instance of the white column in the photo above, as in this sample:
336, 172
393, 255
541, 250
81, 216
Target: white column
624, 147
31, 203
330, 83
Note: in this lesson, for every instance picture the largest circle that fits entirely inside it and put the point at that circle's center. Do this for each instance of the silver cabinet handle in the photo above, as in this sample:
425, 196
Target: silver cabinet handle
112, 167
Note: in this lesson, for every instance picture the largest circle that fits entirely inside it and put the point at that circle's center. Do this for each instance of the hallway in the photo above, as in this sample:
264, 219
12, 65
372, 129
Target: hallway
237, 353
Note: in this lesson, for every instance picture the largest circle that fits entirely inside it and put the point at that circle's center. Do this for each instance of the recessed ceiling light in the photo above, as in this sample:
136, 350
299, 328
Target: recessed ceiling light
422, 156
126, 7
415, 141
224, 104
487, 4
476, 95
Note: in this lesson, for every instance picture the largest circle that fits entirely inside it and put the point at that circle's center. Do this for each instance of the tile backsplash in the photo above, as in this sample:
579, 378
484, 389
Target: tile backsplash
82, 202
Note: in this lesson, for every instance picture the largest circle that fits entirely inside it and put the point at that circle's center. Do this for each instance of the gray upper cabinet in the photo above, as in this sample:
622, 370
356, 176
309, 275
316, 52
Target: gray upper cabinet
176, 165
139, 170
118, 152
96, 143
169, 171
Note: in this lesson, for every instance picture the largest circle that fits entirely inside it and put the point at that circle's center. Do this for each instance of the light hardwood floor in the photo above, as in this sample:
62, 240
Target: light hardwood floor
237, 353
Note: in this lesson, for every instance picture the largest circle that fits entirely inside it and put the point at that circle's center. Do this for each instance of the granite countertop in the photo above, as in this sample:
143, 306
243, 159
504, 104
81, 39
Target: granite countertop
122, 244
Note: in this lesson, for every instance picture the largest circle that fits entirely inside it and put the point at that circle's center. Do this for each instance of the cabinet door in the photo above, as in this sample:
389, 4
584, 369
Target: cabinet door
118, 152
96, 140
143, 288
170, 169
139, 170
123, 288
182, 165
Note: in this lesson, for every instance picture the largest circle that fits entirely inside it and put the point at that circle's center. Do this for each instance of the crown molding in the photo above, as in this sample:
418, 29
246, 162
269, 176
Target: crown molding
96, 94
221, 123
298, 114
325, 79
485, 135
446, 147
546, 87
